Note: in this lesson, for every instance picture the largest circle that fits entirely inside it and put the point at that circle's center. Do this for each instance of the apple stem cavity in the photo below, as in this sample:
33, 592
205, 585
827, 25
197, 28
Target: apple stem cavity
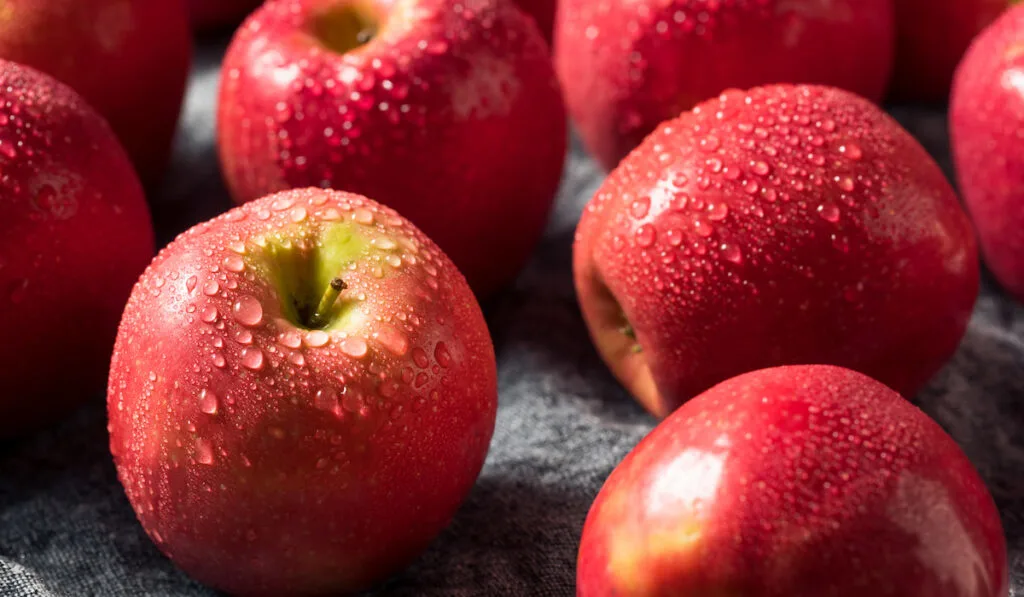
319, 318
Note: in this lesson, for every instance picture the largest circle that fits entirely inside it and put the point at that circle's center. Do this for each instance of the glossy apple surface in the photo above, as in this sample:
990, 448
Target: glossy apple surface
276, 443
794, 482
931, 37
207, 14
782, 225
128, 59
986, 124
448, 112
74, 236
627, 65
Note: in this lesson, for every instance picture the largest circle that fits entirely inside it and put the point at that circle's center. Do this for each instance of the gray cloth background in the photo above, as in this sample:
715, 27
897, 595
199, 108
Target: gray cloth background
67, 530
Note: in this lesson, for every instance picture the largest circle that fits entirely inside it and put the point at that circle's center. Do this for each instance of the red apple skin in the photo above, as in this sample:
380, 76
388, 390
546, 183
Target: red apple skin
264, 460
779, 226
209, 14
455, 121
543, 13
800, 481
627, 65
129, 60
931, 37
74, 236
986, 119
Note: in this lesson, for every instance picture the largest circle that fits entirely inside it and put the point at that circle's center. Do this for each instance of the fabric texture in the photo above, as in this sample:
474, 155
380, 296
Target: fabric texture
67, 530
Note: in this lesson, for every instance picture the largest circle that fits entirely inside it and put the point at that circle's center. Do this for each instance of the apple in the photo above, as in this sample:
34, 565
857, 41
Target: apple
931, 37
208, 14
74, 236
448, 112
778, 226
627, 65
128, 59
543, 13
986, 124
302, 392
798, 481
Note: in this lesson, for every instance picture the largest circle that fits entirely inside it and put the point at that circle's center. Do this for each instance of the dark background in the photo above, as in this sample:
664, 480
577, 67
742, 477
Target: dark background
67, 530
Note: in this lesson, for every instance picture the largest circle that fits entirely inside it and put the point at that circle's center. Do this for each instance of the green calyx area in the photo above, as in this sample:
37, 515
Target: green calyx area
345, 26
308, 271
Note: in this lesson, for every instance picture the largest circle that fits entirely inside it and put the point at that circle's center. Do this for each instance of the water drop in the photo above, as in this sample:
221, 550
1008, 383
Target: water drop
354, 347
732, 253
234, 263
645, 235
209, 314
208, 402
420, 358
829, 212
247, 311
640, 207
291, 339
317, 338
243, 336
190, 284
442, 356
327, 399
252, 358
852, 151
211, 288
393, 340
204, 451
846, 183
761, 169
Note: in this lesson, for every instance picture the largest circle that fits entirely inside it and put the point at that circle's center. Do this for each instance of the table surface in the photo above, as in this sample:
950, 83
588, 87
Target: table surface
66, 528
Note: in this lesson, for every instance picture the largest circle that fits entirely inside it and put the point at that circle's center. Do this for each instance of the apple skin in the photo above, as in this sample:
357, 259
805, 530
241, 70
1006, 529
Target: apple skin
931, 37
779, 226
986, 118
622, 75
74, 236
455, 121
798, 481
209, 14
267, 459
128, 59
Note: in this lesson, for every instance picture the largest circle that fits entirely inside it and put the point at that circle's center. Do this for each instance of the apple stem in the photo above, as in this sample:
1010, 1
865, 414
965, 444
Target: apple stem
334, 289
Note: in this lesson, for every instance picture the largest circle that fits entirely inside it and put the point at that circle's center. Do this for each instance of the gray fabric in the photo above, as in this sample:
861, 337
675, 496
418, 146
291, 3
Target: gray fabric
66, 529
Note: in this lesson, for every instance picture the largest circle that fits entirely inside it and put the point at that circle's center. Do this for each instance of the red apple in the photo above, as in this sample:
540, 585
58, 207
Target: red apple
302, 393
798, 481
627, 65
74, 236
782, 225
931, 37
987, 129
207, 14
448, 112
543, 13
128, 59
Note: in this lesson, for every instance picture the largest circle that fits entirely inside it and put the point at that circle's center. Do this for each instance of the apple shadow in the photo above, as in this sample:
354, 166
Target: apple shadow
978, 398
514, 534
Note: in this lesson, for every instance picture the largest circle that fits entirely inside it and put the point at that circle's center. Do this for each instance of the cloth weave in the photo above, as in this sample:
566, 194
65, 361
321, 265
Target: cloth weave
67, 530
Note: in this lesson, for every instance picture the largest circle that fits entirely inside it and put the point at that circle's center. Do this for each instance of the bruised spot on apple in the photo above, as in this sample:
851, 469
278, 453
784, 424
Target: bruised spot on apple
302, 392
448, 112
796, 481
780, 225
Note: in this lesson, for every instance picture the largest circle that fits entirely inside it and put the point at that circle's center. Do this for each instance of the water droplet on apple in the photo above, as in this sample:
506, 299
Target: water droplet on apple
852, 151
252, 358
191, 283
211, 287
291, 339
419, 356
326, 399
354, 347
317, 338
204, 451
441, 355
209, 314
218, 360
247, 311
234, 263
243, 336
732, 253
297, 214
393, 340
640, 207
829, 212
208, 402
645, 235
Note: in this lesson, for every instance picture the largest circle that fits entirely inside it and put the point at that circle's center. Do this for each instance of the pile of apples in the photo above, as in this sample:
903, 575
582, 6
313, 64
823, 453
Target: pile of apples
302, 391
